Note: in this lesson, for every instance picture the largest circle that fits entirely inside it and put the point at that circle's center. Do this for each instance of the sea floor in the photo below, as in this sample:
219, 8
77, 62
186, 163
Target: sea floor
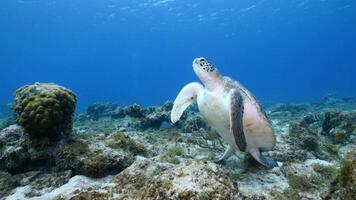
133, 152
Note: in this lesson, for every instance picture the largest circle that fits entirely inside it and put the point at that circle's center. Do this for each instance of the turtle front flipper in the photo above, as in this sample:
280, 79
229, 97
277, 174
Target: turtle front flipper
263, 159
236, 119
185, 97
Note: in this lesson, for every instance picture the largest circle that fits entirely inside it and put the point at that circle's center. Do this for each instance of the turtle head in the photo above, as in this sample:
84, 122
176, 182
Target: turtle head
206, 72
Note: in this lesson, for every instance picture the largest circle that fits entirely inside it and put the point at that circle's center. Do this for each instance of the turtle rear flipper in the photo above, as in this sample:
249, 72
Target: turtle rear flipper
263, 159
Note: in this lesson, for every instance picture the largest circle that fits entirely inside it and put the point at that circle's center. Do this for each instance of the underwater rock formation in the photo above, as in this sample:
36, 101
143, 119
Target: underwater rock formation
194, 123
344, 185
98, 110
303, 136
134, 110
134, 117
7, 183
14, 155
96, 157
147, 179
44, 109
147, 161
131, 117
347, 176
339, 126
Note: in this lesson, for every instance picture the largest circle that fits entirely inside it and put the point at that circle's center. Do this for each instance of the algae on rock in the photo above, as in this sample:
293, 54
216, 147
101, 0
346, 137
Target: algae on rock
44, 109
7, 183
347, 176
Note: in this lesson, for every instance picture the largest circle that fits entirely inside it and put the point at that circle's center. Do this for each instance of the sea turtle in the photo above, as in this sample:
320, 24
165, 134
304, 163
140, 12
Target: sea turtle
231, 109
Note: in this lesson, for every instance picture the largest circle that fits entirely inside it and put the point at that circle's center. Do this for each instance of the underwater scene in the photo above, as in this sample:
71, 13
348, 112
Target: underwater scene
177, 99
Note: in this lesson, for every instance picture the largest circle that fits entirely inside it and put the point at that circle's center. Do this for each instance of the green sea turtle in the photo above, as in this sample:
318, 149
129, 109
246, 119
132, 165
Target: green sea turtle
231, 109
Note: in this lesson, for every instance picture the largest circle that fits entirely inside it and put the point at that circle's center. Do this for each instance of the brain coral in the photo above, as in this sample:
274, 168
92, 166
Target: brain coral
44, 109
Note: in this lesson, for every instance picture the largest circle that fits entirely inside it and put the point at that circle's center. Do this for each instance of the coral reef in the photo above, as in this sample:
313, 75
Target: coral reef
44, 109
133, 152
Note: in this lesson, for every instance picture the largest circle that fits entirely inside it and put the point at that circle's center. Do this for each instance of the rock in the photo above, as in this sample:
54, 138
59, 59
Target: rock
144, 179
340, 126
257, 183
132, 182
119, 140
303, 136
98, 158
104, 161
117, 113
95, 158
37, 185
135, 117
195, 180
7, 183
192, 180
14, 155
98, 110
134, 110
11, 134
167, 106
44, 109
194, 123
154, 120
20, 154
347, 177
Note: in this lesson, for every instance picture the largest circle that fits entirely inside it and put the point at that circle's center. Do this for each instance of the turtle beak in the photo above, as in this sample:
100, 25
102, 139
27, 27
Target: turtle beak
199, 60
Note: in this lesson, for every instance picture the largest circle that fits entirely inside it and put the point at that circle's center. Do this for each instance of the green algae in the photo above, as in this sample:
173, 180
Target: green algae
303, 182
172, 155
347, 176
121, 141
327, 172
7, 183
40, 143
96, 164
91, 195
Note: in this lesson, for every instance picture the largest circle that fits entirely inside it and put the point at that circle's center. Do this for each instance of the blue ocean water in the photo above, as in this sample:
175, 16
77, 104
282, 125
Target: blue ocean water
141, 51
